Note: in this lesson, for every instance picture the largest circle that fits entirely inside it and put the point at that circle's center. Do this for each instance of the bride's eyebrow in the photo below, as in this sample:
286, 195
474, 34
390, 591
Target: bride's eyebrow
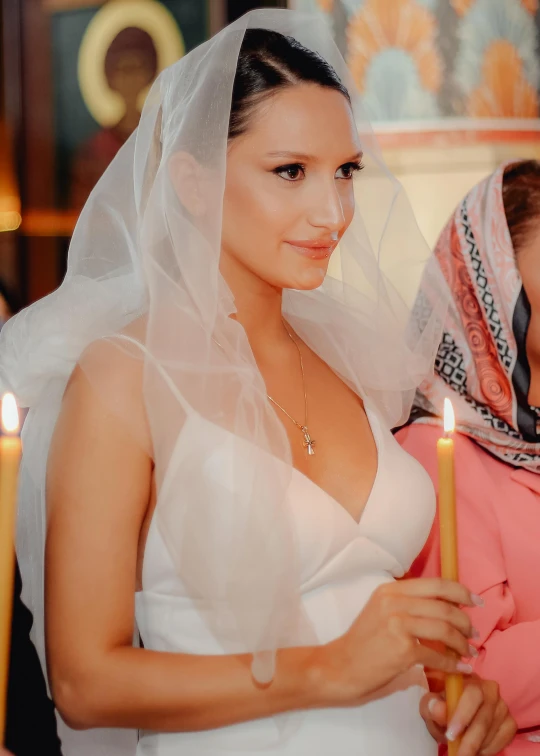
290, 155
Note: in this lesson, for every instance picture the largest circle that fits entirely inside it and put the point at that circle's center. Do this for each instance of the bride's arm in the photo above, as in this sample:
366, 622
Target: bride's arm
98, 489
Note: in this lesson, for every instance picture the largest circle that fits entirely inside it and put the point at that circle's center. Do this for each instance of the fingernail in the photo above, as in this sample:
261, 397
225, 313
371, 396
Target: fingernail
466, 669
477, 600
453, 731
431, 705
472, 651
475, 633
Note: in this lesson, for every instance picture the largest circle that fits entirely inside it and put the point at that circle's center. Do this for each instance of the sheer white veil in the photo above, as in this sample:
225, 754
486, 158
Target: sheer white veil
143, 282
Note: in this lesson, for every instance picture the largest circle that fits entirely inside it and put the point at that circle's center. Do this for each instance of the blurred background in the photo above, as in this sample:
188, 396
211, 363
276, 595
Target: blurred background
452, 86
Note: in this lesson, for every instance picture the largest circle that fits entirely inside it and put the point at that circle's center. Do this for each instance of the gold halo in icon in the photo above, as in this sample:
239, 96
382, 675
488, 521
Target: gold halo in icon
106, 106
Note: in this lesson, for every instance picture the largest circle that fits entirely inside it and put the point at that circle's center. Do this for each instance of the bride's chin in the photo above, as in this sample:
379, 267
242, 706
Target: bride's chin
311, 277
306, 278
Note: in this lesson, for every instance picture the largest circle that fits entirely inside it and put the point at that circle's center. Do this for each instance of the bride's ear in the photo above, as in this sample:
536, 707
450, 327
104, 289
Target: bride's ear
186, 177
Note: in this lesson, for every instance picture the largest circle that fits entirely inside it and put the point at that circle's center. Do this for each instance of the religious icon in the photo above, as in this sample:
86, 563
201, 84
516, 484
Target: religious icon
125, 46
130, 66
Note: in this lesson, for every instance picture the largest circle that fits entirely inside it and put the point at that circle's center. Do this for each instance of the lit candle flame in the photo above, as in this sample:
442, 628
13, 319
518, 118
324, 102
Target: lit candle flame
449, 419
10, 414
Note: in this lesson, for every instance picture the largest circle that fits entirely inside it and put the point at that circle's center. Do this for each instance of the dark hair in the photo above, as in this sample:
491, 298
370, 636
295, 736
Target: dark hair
269, 61
521, 199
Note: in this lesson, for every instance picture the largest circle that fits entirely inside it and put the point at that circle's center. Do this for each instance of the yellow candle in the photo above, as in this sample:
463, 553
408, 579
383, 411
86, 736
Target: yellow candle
10, 454
448, 538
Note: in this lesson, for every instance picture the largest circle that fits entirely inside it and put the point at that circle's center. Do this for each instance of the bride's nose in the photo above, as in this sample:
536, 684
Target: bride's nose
326, 211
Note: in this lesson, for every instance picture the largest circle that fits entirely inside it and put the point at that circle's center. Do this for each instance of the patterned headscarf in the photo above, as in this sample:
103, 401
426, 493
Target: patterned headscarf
482, 364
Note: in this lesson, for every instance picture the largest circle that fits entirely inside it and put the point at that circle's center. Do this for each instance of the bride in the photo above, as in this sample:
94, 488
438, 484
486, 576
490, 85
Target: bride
209, 478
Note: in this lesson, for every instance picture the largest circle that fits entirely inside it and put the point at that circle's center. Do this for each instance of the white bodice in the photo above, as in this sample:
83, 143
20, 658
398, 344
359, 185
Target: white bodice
342, 562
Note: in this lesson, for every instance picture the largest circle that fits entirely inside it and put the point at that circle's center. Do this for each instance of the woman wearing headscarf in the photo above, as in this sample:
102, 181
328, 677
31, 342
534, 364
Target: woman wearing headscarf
488, 364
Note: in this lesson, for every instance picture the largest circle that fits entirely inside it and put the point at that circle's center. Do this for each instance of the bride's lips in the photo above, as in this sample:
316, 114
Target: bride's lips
314, 249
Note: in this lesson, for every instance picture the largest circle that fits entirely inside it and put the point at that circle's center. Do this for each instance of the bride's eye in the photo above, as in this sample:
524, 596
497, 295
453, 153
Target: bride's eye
347, 170
292, 172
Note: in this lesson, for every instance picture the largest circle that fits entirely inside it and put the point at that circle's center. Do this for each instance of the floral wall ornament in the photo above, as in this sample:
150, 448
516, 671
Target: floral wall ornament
392, 53
441, 60
497, 70
504, 91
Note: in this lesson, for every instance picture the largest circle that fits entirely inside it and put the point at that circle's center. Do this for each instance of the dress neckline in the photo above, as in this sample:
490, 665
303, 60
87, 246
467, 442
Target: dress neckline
376, 433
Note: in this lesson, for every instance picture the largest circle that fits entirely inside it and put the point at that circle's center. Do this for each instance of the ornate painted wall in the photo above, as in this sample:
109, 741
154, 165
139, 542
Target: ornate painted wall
420, 60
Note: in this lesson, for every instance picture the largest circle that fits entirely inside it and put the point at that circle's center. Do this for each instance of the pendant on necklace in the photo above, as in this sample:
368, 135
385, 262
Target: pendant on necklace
309, 443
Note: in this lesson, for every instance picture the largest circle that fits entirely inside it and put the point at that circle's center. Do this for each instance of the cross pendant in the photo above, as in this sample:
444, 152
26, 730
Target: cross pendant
309, 443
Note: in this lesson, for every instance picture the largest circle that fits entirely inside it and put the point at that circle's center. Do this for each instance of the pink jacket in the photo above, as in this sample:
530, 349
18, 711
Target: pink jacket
499, 548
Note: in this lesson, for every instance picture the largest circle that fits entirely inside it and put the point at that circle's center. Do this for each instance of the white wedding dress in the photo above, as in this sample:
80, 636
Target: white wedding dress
342, 563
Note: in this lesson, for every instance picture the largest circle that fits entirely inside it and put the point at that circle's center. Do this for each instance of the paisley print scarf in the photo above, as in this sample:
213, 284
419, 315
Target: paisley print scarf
482, 364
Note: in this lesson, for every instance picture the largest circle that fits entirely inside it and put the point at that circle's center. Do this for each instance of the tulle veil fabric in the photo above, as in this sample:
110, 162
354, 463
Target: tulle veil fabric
143, 283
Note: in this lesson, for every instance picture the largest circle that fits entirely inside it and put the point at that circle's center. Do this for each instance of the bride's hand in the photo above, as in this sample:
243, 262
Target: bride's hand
385, 639
482, 716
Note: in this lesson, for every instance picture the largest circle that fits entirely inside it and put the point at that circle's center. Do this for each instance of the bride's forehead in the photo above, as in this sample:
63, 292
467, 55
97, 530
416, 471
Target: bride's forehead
304, 112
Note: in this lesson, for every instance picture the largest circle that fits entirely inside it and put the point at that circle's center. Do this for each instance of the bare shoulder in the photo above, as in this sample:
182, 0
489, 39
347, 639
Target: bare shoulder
105, 389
